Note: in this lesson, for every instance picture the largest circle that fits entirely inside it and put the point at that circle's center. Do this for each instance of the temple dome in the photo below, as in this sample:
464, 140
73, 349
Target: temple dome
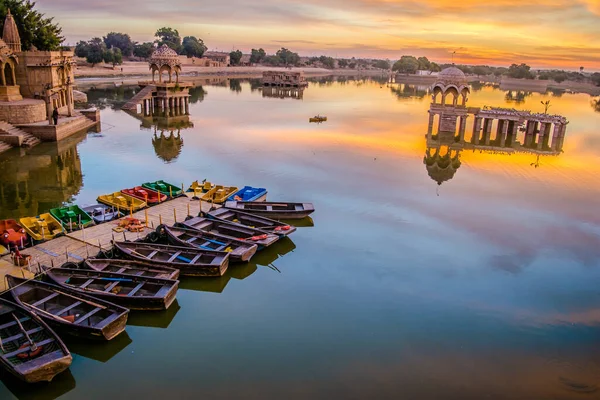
10, 35
452, 75
165, 55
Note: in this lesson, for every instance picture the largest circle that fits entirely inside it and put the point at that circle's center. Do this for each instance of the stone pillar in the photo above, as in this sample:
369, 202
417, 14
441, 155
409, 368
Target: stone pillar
504, 132
187, 105
541, 135
476, 130
430, 125
70, 102
555, 135
514, 133
439, 123
49, 109
487, 130
462, 128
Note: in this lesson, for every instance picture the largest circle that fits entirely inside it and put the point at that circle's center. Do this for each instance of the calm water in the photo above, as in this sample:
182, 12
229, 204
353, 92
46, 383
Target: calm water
485, 286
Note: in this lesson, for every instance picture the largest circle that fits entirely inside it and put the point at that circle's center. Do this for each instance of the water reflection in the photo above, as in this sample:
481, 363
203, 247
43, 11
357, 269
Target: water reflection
516, 96
404, 91
596, 104
283, 92
63, 383
101, 351
155, 319
40, 178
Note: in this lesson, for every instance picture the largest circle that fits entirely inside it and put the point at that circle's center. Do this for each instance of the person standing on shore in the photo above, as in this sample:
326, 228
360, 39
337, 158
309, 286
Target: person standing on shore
55, 116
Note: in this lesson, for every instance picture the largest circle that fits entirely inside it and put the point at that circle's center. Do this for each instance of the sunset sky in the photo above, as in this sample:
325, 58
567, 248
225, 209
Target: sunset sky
549, 33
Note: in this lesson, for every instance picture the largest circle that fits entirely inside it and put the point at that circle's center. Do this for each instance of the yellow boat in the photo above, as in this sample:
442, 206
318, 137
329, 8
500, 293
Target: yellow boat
318, 119
122, 202
42, 227
197, 189
219, 194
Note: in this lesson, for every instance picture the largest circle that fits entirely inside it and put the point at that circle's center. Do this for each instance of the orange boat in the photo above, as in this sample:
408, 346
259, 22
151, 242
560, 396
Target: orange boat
149, 196
12, 234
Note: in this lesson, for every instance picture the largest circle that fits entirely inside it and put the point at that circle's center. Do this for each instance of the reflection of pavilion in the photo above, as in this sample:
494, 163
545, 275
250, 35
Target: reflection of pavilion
167, 147
283, 92
495, 130
47, 177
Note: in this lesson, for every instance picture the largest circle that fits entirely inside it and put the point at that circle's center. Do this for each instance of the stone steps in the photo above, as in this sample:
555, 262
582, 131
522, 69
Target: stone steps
28, 140
4, 147
144, 94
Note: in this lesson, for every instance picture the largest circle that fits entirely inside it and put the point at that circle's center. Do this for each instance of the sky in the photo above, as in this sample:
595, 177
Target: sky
544, 34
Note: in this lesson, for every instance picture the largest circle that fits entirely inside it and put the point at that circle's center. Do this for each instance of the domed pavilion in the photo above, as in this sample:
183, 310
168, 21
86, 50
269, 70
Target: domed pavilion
451, 81
165, 59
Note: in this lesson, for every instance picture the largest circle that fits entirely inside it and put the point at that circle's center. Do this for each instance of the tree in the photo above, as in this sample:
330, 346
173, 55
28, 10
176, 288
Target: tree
96, 50
287, 57
581, 70
120, 41
352, 65
113, 56
193, 47
424, 63
82, 49
143, 50
327, 62
546, 105
406, 65
382, 64
342, 63
596, 105
256, 56
480, 70
170, 37
235, 57
34, 28
433, 67
522, 71
596, 78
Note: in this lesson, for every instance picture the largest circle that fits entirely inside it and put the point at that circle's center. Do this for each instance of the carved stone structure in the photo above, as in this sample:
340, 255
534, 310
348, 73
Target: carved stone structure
223, 59
165, 59
284, 79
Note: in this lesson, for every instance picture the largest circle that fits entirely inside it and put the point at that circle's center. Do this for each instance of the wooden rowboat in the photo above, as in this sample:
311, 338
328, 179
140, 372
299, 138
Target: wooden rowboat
239, 250
102, 213
190, 261
69, 311
253, 221
146, 195
231, 230
72, 217
163, 187
130, 267
133, 292
249, 193
30, 350
42, 227
122, 202
12, 234
273, 210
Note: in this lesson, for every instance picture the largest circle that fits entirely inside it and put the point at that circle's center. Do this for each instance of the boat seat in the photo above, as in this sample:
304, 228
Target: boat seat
86, 316
9, 324
44, 300
135, 289
20, 335
86, 283
111, 286
71, 214
27, 348
66, 309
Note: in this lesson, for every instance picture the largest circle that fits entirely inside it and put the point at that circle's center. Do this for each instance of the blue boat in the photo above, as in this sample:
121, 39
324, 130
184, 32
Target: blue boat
249, 193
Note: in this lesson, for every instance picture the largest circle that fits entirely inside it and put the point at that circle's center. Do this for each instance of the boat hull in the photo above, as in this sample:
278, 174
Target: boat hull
128, 267
71, 221
122, 202
43, 227
231, 230
48, 367
251, 220
273, 210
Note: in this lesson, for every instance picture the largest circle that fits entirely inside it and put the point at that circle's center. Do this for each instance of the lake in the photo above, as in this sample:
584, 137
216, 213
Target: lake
479, 282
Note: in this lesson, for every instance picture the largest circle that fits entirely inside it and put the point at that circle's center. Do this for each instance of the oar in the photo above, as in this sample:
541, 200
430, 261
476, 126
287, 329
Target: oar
32, 344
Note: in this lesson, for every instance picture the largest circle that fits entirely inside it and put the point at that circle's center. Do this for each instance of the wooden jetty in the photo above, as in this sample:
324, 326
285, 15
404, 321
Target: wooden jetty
79, 245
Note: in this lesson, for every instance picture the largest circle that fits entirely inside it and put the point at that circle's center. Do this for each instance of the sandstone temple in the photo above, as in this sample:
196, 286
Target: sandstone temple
493, 129
33, 84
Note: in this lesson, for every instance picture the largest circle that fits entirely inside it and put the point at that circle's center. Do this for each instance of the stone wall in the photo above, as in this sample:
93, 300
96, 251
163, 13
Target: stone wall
23, 112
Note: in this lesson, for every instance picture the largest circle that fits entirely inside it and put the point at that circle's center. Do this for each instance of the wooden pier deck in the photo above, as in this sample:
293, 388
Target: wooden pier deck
78, 245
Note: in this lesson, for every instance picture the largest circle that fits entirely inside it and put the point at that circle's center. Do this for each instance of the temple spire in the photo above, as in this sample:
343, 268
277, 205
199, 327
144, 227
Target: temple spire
10, 35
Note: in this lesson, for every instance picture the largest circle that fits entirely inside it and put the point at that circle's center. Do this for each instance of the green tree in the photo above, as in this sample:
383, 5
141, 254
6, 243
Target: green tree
235, 57
193, 47
287, 57
342, 63
352, 65
34, 28
406, 65
170, 37
120, 41
433, 67
480, 70
327, 62
113, 56
596, 104
424, 63
382, 64
257, 56
82, 49
143, 50
96, 51
596, 78
522, 71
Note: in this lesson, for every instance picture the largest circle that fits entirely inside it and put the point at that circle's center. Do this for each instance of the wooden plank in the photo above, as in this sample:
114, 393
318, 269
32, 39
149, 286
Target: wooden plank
8, 325
111, 286
174, 256
20, 335
135, 289
45, 299
27, 348
196, 258
86, 316
86, 283
66, 309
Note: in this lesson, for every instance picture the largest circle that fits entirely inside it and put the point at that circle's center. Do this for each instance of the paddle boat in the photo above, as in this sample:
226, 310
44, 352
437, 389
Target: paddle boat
12, 234
197, 189
218, 194
249, 193
72, 217
163, 187
102, 213
43, 227
149, 196
122, 201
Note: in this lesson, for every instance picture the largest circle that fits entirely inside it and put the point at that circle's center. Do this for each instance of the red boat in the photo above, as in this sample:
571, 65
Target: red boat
12, 234
147, 195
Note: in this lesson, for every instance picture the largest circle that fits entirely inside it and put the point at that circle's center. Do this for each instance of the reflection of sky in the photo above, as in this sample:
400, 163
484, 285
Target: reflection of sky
489, 288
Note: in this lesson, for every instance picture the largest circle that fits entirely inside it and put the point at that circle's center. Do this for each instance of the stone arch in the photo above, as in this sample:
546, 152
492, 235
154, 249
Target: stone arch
8, 72
451, 90
168, 70
437, 91
464, 93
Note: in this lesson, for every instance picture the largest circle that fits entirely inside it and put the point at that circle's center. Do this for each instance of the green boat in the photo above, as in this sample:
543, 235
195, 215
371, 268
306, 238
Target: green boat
164, 188
72, 217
